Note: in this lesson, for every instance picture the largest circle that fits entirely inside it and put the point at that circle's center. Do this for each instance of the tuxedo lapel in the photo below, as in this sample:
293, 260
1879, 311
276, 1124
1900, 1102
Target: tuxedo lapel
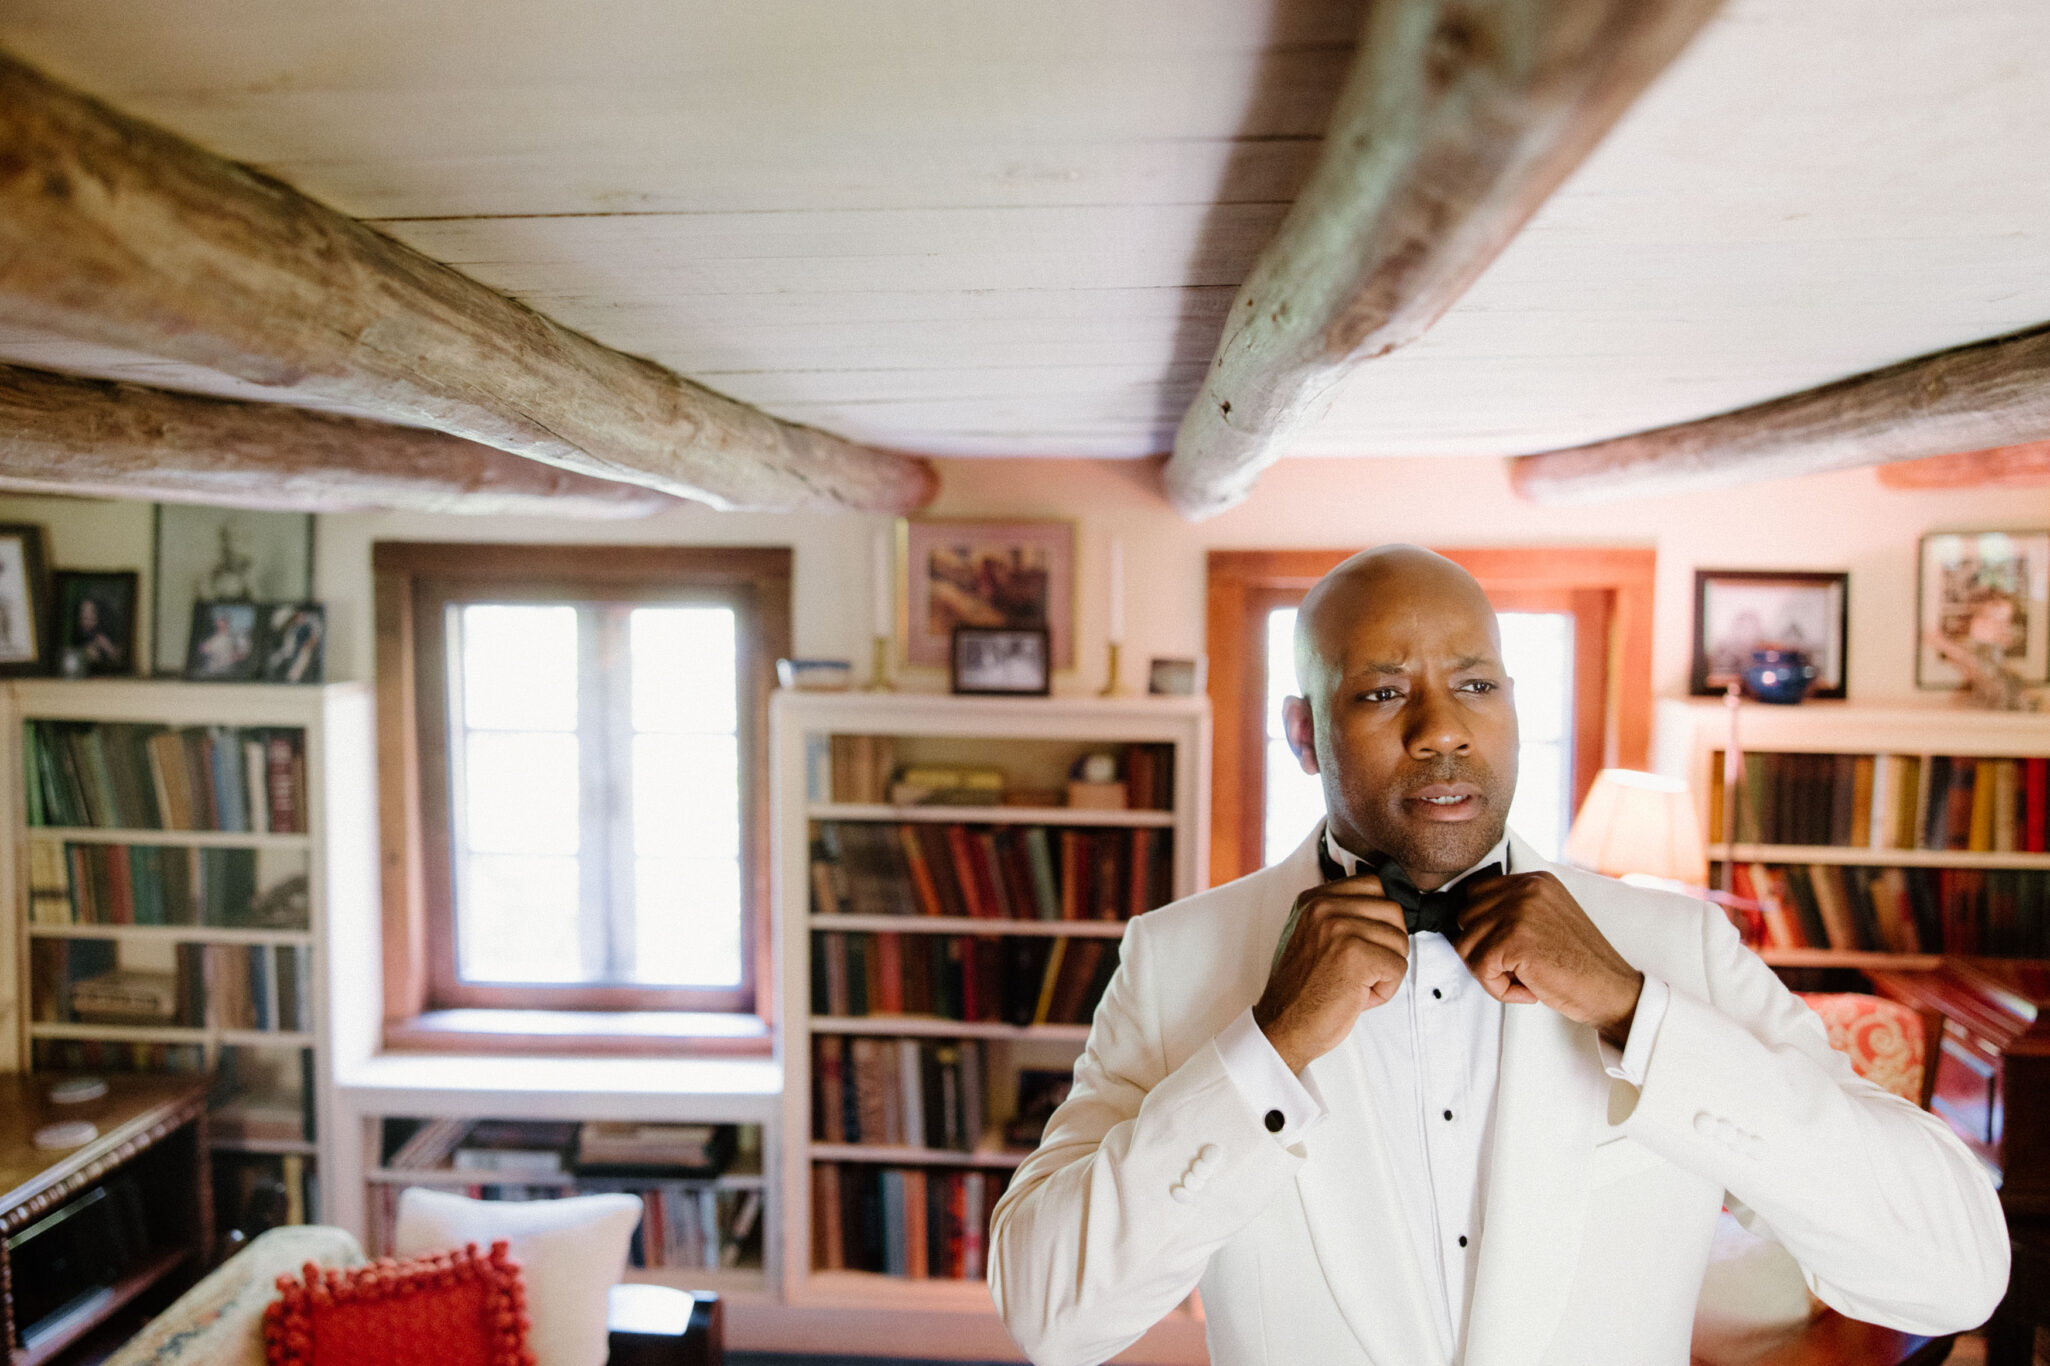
1553, 1087
1350, 1200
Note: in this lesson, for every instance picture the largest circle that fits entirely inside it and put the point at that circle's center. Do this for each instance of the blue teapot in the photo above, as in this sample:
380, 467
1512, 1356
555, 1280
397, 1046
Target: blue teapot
1781, 676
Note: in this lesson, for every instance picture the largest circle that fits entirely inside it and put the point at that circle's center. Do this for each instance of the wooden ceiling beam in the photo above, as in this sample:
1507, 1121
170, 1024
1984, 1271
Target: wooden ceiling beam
1458, 119
62, 434
1970, 398
115, 231
2026, 466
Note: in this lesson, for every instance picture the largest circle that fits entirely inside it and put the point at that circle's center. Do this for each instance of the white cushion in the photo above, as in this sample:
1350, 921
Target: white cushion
1753, 1297
571, 1253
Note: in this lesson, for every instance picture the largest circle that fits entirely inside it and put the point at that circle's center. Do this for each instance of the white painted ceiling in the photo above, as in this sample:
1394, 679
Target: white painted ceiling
965, 227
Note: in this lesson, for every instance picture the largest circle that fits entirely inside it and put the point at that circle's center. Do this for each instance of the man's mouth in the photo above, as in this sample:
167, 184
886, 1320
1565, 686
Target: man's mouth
1447, 801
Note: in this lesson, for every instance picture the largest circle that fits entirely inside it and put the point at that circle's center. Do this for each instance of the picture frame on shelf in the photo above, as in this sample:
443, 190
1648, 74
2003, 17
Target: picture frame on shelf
215, 554
1016, 575
226, 644
293, 642
1737, 611
1000, 662
95, 622
1983, 590
24, 600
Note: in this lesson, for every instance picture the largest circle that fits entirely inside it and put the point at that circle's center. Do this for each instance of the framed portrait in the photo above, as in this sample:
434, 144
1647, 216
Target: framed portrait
1002, 661
992, 575
1737, 611
95, 622
293, 642
209, 554
224, 644
1985, 591
24, 601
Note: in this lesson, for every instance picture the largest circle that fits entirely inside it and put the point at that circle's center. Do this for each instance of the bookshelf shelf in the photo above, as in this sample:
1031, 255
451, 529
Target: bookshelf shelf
185, 839
1860, 856
972, 1074
172, 934
932, 1026
990, 815
180, 1034
949, 924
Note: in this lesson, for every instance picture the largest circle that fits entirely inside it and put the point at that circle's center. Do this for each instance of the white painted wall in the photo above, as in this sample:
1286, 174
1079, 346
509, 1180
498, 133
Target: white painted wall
1842, 521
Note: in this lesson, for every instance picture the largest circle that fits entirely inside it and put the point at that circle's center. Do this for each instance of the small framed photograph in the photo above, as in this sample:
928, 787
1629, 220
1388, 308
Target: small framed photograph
1013, 575
223, 648
293, 640
1001, 661
1985, 591
24, 601
209, 554
1737, 611
95, 622
1176, 677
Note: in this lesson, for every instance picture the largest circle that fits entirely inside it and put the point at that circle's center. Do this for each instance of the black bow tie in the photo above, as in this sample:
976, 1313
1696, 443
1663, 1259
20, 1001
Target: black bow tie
1436, 912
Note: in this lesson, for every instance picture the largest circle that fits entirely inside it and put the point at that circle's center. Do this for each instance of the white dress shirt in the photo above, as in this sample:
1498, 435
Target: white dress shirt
1437, 1045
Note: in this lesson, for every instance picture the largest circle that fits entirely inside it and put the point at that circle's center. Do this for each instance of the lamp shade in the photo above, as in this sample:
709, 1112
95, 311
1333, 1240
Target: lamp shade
1639, 823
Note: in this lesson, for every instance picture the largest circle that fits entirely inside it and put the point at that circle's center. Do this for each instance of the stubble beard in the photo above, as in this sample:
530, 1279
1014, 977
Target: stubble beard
1426, 848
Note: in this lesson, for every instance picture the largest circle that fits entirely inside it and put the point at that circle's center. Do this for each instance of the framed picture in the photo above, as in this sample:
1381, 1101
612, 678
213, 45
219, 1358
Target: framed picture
1737, 611
95, 622
1010, 575
1985, 590
24, 601
224, 644
208, 554
1000, 660
293, 641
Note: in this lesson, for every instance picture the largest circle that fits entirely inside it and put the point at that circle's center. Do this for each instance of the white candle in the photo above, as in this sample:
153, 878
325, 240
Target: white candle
881, 590
1117, 590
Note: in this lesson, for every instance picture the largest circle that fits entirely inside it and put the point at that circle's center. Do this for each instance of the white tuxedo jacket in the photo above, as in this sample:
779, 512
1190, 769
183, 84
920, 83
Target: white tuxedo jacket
1601, 1198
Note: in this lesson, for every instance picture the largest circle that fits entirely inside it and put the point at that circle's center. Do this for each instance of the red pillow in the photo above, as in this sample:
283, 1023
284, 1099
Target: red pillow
450, 1309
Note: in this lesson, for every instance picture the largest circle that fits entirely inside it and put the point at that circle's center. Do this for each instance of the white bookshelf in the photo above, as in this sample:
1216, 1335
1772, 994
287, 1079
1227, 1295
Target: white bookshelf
336, 727
1691, 735
1033, 740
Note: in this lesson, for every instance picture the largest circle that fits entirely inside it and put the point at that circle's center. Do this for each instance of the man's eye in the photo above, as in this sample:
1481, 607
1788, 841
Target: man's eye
1380, 695
1479, 685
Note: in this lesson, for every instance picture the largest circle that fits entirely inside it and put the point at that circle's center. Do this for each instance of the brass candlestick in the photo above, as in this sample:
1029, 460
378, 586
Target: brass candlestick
1110, 686
879, 667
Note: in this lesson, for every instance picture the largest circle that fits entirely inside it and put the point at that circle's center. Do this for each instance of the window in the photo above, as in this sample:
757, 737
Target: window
1576, 633
585, 822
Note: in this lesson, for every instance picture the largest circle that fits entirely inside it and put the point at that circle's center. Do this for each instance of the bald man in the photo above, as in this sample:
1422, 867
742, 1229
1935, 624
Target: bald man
1415, 1095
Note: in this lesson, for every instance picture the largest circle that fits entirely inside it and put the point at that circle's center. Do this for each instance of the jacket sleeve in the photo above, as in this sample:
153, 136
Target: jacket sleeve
1891, 1218
1142, 1174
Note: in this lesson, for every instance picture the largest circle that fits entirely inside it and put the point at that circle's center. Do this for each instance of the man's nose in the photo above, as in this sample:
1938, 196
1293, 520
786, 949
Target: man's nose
1437, 725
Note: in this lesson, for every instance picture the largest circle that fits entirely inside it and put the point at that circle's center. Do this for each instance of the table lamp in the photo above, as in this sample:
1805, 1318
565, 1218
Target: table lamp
1640, 827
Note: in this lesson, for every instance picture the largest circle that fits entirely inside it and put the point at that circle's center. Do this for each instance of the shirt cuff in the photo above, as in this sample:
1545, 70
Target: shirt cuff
1629, 1062
1265, 1081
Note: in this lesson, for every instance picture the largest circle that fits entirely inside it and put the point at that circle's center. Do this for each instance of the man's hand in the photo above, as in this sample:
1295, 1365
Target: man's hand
1526, 939
1347, 955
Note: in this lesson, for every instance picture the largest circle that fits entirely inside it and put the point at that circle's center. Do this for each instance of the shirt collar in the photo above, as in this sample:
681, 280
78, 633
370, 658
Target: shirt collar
1352, 863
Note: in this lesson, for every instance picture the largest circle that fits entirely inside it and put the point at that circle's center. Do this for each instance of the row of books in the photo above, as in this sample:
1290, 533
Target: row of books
141, 777
2004, 912
688, 1225
1889, 801
144, 884
557, 1148
1015, 979
114, 1055
989, 872
927, 1093
902, 1221
263, 987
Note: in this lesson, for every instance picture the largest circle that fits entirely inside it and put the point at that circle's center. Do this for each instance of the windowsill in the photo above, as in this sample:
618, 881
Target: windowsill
637, 1087
672, 1033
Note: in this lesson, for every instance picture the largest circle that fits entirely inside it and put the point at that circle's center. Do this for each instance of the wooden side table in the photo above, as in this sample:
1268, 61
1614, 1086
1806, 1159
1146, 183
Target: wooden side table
156, 1121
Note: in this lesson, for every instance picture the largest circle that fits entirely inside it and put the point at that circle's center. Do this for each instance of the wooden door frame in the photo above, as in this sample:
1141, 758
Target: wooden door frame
1244, 585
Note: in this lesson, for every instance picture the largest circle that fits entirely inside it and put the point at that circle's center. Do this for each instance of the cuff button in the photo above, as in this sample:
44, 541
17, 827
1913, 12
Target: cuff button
1274, 1121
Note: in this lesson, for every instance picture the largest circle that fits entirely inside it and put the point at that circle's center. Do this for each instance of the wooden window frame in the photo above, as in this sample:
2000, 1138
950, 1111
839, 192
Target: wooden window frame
1611, 584
414, 583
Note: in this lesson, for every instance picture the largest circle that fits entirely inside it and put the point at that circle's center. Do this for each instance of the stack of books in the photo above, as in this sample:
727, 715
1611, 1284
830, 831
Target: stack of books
1889, 801
1016, 979
989, 872
138, 777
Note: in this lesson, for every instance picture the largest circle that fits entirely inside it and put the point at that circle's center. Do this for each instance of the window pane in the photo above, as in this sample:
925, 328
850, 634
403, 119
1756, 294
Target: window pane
519, 667
687, 921
520, 793
1537, 649
686, 796
518, 920
683, 669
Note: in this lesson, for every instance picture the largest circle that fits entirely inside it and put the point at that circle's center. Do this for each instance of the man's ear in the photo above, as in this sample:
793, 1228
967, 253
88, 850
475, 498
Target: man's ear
1301, 730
